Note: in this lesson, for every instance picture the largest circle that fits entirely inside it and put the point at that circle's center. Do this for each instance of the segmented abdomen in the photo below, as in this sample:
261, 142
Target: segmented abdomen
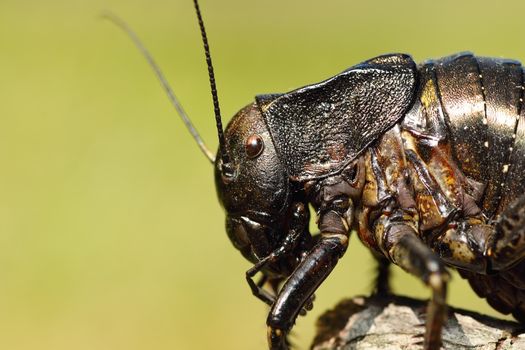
474, 106
482, 105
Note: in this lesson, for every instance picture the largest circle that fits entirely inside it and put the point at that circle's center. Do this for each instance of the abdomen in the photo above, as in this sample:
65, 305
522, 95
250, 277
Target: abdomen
474, 105
478, 108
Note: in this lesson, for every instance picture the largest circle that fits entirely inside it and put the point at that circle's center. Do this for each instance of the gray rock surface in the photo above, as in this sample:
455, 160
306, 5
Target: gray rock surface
398, 323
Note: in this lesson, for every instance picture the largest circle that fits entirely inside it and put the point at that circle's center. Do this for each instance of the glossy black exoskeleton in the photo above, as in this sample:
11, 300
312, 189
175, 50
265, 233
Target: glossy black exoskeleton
426, 162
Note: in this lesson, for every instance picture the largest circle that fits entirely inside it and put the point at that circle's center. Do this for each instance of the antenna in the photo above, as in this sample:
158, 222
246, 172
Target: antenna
218, 121
165, 85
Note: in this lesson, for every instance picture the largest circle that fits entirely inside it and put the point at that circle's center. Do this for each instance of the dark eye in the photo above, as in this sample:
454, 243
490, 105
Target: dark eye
254, 145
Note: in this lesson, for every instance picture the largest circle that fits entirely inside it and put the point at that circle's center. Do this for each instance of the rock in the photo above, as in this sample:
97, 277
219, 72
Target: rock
399, 323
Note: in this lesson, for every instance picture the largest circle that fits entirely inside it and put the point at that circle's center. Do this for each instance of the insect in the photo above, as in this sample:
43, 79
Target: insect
426, 162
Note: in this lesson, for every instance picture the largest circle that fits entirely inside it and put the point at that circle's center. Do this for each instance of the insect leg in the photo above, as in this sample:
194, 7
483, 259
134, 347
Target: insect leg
478, 247
257, 288
306, 278
382, 281
508, 246
298, 222
410, 253
480, 250
464, 244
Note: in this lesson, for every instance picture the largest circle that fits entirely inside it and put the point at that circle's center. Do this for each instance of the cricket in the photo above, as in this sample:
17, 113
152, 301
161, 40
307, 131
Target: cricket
424, 162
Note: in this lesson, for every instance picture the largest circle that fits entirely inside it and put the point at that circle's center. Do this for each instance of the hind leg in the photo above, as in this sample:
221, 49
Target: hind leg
473, 245
508, 245
505, 292
491, 257
382, 281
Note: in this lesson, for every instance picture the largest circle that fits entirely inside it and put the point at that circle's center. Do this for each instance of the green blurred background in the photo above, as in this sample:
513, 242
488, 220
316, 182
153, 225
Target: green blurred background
111, 236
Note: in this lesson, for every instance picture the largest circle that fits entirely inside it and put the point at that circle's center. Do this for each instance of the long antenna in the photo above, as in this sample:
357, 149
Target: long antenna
218, 121
167, 88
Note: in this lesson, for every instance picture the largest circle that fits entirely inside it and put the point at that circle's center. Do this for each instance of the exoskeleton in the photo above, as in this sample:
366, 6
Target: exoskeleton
425, 162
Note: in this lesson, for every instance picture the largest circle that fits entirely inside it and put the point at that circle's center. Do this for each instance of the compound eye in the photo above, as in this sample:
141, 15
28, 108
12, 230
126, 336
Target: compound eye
254, 146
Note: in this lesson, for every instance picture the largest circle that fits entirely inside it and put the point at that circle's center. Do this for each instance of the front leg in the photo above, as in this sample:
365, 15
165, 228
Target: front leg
298, 221
308, 275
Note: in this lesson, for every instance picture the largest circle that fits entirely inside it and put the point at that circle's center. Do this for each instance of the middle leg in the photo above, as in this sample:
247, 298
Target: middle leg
407, 251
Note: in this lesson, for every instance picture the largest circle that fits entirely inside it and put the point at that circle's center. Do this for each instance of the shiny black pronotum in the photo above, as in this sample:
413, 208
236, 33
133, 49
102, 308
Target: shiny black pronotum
426, 162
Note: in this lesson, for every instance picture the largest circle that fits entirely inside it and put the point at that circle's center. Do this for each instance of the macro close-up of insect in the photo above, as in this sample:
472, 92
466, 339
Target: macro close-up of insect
425, 162
362, 152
